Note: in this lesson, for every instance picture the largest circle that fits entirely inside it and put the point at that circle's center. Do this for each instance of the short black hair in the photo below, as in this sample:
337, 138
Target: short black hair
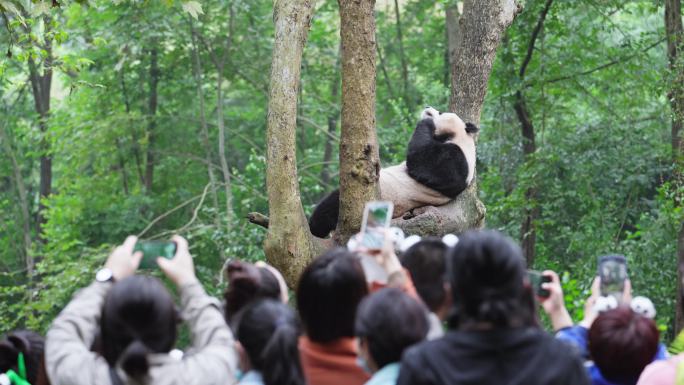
329, 292
426, 262
32, 346
486, 271
391, 321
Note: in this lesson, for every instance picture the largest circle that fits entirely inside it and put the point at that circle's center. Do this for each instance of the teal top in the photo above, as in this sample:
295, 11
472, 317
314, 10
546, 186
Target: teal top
386, 376
252, 377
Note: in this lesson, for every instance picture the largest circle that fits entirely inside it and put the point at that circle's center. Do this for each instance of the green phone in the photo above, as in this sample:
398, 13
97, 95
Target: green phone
152, 250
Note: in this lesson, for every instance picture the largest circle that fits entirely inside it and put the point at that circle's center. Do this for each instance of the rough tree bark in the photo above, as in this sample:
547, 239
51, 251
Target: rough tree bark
453, 15
528, 233
480, 30
359, 155
289, 245
674, 34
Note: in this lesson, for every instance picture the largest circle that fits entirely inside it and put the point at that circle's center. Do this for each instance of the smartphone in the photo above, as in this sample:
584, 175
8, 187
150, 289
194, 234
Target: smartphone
152, 250
376, 217
536, 279
612, 270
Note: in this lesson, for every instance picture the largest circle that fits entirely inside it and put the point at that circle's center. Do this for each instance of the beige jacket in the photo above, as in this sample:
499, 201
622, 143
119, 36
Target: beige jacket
210, 360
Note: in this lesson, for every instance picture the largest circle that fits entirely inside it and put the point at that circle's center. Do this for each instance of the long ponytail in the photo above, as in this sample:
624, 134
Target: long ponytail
269, 332
134, 359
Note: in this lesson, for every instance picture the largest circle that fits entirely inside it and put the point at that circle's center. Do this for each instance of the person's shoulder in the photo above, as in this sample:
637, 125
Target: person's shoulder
661, 371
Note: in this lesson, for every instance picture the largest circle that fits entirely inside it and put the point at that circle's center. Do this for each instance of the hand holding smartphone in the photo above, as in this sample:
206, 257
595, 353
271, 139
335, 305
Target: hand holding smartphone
537, 278
152, 250
376, 220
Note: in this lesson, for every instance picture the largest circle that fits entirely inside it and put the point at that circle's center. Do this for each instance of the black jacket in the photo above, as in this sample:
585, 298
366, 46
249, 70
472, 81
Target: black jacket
501, 357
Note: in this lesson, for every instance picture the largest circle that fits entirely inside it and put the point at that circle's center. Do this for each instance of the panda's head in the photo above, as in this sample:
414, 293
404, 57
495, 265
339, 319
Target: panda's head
450, 127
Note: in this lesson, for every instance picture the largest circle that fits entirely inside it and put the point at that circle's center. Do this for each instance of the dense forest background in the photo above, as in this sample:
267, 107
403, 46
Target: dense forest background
151, 118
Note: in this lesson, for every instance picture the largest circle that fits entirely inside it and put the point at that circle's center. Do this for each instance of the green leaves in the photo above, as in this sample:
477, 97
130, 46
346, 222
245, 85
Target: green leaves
194, 8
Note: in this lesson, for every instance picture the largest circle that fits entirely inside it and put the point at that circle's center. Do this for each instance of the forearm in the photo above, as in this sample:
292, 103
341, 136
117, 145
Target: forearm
202, 314
68, 342
560, 319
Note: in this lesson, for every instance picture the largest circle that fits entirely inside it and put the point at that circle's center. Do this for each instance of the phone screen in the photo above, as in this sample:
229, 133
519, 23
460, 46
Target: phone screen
376, 216
536, 279
612, 270
153, 249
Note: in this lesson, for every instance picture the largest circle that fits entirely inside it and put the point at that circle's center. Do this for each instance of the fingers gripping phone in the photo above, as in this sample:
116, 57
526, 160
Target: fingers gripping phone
612, 271
152, 250
376, 219
537, 278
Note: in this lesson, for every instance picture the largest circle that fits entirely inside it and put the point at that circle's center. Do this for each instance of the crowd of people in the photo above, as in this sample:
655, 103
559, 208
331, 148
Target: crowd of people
439, 314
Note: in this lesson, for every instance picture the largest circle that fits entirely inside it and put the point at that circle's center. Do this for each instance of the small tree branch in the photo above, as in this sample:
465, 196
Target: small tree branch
258, 219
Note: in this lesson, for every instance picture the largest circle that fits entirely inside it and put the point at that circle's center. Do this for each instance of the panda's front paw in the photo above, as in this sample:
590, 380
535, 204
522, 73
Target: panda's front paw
429, 113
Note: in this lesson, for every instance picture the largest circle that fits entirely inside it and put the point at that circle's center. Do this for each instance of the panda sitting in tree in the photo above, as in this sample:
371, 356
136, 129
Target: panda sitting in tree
440, 164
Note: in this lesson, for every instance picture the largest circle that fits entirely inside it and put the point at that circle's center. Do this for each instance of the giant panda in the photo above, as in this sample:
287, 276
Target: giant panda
440, 164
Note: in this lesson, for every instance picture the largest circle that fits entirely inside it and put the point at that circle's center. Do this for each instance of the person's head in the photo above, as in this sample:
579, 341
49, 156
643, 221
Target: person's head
31, 345
247, 282
387, 322
487, 272
329, 292
622, 343
138, 318
267, 332
426, 262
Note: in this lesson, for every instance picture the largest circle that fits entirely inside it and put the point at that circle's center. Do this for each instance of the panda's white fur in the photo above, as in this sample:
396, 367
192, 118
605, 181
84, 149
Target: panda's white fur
405, 192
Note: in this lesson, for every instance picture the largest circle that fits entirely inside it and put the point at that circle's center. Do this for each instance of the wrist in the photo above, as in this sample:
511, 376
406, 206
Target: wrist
186, 280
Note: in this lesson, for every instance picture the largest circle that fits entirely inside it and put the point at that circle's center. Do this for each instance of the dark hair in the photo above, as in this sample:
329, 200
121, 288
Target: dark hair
138, 317
622, 343
32, 346
247, 282
426, 261
329, 292
486, 270
391, 321
268, 331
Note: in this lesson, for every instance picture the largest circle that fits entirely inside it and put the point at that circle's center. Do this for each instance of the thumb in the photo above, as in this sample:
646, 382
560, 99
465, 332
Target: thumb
137, 257
164, 264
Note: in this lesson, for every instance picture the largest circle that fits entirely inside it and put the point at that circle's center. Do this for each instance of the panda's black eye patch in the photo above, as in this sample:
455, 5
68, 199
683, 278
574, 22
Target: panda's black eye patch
471, 128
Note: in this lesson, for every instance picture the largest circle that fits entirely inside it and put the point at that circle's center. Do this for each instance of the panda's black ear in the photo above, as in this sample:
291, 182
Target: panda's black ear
471, 128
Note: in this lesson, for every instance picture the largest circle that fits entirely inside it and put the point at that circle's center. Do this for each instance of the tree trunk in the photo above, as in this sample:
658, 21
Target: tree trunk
289, 245
204, 129
673, 31
152, 121
480, 30
41, 85
23, 203
452, 18
227, 185
134, 138
359, 156
408, 100
531, 211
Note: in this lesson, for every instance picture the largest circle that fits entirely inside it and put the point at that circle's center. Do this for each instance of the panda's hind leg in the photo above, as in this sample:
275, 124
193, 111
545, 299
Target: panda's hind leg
323, 220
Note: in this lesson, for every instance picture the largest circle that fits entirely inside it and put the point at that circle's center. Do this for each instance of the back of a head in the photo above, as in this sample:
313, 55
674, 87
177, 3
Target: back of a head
328, 294
486, 272
622, 343
31, 345
138, 318
391, 321
247, 282
426, 261
268, 331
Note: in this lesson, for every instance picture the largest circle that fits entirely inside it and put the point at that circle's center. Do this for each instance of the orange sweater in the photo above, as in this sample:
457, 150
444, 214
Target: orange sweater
331, 363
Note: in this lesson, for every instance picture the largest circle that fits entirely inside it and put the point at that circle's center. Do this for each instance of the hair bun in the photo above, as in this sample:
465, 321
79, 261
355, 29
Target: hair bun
134, 359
